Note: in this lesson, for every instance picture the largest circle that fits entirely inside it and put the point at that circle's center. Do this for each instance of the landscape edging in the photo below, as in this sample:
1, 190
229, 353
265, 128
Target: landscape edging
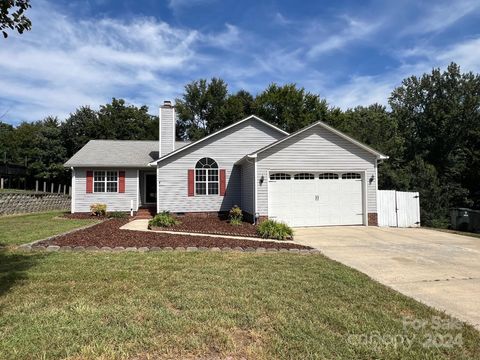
259, 250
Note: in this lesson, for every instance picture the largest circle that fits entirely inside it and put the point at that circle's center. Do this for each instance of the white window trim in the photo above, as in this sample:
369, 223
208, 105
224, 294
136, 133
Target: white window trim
207, 181
105, 182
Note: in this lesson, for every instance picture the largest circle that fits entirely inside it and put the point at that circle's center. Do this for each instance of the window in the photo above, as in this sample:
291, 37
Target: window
327, 176
303, 176
105, 181
351, 176
206, 177
280, 176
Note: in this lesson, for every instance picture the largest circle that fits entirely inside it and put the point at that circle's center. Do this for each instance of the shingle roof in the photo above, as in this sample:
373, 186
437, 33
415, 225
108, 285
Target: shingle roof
111, 153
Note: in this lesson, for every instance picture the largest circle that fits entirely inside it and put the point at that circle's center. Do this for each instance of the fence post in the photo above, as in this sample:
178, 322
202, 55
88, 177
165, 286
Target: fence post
51, 187
64, 189
69, 190
59, 188
36, 185
1, 183
44, 186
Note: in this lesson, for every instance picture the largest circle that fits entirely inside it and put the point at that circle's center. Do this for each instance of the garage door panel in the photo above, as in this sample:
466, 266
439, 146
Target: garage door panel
317, 202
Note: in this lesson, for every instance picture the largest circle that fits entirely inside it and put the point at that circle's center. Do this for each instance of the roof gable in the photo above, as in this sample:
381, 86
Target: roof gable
379, 155
219, 133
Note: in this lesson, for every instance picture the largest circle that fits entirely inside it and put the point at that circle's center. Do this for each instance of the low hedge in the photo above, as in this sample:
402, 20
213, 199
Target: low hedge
271, 229
164, 219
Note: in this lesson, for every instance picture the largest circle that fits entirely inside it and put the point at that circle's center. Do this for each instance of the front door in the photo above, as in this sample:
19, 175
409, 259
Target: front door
150, 188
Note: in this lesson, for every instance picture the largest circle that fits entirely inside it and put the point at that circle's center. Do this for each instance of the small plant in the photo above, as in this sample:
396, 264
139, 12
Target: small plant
235, 215
98, 209
164, 219
117, 215
272, 229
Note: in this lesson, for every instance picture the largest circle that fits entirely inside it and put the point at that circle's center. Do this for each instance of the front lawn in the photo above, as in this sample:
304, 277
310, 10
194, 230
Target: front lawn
206, 305
21, 229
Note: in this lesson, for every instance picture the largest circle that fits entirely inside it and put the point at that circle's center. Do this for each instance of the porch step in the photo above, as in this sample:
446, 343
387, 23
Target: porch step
145, 213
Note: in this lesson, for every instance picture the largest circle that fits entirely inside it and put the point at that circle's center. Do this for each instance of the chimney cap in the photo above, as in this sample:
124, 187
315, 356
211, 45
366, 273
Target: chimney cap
167, 103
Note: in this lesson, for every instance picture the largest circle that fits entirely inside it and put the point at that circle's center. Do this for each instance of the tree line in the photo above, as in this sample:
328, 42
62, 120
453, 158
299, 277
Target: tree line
431, 131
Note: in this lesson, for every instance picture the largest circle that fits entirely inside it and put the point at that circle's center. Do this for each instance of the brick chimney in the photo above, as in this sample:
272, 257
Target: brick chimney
166, 128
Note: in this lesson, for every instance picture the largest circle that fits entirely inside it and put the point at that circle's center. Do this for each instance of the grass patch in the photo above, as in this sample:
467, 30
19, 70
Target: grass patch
21, 229
457, 232
202, 305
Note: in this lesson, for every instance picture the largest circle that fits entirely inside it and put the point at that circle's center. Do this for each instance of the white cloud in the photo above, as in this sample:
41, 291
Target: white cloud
178, 5
226, 39
280, 19
354, 31
441, 15
64, 63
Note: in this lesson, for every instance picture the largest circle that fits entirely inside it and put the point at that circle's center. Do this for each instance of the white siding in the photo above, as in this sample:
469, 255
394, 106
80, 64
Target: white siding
167, 130
226, 149
247, 202
316, 149
114, 201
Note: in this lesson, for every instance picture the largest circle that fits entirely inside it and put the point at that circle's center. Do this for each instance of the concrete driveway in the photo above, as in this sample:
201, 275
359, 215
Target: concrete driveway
439, 269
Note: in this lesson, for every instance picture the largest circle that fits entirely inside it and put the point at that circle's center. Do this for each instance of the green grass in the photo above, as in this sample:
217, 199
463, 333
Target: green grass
457, 232
203, 305
21, 229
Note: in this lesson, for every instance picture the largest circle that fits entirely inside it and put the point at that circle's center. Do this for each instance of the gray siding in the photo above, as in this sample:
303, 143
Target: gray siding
226, 148
167, 130
114, 201
315, 149
247, 202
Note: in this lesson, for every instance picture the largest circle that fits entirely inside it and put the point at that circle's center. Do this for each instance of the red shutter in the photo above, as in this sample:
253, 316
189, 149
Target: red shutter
121, 181
191, 182
89, 181
222, 182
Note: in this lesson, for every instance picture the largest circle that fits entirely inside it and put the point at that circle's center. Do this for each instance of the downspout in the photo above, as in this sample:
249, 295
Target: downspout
72, 195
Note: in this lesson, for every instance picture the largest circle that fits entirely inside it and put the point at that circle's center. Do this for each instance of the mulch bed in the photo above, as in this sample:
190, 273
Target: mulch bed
212, 225
108, 233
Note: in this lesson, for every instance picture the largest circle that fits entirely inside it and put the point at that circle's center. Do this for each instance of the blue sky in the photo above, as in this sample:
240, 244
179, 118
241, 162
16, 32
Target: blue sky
351, 53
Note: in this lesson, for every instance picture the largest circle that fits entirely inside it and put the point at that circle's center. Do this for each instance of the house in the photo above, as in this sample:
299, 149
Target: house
315, 176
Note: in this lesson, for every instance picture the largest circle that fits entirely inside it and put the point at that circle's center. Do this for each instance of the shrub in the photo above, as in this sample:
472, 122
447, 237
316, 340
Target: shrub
164, 219
117, 215
235, 215
272, 229
98, 209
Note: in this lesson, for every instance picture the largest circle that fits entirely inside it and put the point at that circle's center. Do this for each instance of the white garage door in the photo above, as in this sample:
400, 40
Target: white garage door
316, 199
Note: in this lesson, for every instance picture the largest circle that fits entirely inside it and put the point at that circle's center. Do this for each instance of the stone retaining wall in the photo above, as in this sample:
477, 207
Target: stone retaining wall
30, 202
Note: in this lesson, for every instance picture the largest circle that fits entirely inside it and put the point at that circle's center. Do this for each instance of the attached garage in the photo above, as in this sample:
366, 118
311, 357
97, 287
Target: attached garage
317, 176
316, 198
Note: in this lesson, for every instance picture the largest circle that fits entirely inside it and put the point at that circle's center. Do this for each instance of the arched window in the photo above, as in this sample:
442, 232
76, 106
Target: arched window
206, 177
303, 176
280, 176
328, 176
351, 176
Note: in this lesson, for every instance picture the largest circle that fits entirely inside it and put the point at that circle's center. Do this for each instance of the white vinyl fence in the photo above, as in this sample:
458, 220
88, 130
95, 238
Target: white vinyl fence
398, 208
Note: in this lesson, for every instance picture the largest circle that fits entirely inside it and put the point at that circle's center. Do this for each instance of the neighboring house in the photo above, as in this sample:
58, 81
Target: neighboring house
315, 176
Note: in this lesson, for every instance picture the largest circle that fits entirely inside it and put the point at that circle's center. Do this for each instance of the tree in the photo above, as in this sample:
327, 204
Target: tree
438, 116
201, 110
289, 107
374, 126
113, 121
12, 16
79, 128
126, 122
